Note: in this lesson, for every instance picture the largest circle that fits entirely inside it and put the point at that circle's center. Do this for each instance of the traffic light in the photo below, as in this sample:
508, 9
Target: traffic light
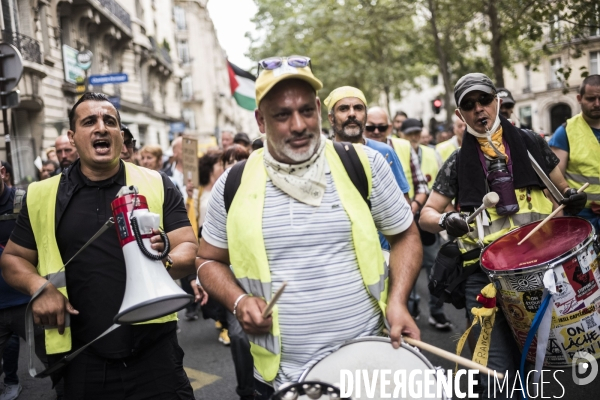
436, 106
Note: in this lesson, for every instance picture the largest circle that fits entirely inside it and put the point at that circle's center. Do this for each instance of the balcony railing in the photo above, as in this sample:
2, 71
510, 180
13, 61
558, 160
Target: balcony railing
526, 90
117, 11
555, 85
161, 54
29, 47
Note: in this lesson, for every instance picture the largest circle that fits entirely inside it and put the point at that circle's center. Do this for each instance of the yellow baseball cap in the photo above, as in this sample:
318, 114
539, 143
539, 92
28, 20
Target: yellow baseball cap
342, 93
269, 78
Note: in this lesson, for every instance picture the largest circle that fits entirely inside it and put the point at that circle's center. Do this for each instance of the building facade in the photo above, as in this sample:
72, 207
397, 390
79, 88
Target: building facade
172, 70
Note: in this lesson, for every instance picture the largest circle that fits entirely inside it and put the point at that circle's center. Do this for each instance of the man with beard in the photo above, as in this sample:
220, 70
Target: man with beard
576, 144
492, 143
296, 217
66, 153
347, 112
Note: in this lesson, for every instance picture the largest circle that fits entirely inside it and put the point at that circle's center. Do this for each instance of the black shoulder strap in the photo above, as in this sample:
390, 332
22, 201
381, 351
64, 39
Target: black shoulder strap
232, 183
348, 155
354, 168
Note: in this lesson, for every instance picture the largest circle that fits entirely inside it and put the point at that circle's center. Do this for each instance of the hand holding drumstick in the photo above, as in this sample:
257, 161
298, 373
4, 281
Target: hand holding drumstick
549, 217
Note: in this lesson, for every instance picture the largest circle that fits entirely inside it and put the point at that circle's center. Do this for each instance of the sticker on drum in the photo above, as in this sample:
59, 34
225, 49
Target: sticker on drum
532, 300
582, 279
526, 282
371, 355
565, 301
581, 333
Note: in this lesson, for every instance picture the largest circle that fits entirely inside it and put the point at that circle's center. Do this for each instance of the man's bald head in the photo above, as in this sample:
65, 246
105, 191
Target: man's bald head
378, 124
65, 152
176, 145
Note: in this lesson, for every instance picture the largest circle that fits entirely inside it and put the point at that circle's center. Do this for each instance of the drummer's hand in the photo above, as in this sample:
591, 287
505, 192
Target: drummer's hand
157, 242
574, 202
401, 323
456, 224
200, 295
249, 313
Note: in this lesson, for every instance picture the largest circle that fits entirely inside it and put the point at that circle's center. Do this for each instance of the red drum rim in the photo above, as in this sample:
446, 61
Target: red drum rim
556, 238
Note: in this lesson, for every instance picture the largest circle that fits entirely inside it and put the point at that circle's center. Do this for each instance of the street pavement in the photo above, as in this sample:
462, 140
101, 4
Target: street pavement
210, 368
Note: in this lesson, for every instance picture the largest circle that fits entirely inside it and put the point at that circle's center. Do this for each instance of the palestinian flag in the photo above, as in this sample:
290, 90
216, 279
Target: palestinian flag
242, 86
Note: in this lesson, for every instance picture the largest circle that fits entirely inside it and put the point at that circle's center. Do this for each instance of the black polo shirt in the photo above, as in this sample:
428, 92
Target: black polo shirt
96, 277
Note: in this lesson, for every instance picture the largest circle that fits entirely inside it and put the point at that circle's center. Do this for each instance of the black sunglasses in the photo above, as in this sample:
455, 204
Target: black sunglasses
272, 63
382, 128
485, 99
130, 144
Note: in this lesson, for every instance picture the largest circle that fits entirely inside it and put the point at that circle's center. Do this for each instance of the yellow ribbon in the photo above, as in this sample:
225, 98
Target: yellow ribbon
496, 140
486, 318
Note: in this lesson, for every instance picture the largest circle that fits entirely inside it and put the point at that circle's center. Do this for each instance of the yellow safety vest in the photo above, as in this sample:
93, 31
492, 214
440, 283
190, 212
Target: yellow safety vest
248, 254
584, 158
429, 164
402, 148
500, 225
445, 149
41, 205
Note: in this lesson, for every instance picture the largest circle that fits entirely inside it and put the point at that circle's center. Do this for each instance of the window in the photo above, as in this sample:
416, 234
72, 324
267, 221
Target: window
555, 74
555, 29
434, 80
527, 79
187, 89
189, 118
179, 15
594, 62
525, 117
184, 51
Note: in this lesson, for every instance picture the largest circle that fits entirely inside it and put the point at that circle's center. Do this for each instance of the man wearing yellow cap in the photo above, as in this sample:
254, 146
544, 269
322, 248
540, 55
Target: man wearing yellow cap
296, 217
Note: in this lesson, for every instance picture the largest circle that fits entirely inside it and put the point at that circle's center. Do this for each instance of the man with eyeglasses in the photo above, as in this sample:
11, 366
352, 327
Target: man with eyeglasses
128, 144
508, 103
378, 128
296, 217
492, 141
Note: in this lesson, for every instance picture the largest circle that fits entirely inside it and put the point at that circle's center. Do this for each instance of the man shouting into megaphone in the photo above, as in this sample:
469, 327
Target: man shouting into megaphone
62, 213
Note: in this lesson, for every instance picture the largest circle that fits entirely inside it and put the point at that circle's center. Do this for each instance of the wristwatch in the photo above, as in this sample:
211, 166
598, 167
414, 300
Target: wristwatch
169, 263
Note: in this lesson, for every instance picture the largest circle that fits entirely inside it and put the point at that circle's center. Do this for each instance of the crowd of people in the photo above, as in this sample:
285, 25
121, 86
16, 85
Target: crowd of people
347, 224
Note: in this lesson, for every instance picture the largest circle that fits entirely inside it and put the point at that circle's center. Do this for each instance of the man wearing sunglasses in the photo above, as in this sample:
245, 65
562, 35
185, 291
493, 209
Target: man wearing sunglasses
492, 146
128, 144
296, 217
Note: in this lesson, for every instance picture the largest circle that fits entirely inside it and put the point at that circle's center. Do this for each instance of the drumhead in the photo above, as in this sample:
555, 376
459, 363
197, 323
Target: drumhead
557, 237
369, 353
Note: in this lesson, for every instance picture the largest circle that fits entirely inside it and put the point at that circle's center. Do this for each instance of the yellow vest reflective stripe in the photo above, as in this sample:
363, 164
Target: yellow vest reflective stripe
500, 225
402, 148
445, 149
41, 205
248, 255
429, 164
584, 158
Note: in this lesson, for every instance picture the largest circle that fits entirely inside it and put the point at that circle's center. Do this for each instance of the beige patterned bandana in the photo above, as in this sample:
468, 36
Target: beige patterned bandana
305, 182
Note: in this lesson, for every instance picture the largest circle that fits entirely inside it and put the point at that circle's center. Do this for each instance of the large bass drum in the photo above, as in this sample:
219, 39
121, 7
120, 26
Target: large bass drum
569, 247
370, 354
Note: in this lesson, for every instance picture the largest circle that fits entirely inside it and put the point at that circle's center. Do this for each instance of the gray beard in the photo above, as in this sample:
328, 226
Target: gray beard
348, 138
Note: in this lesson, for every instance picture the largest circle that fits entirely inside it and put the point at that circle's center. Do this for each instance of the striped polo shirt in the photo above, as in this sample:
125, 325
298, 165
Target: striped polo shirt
325, 303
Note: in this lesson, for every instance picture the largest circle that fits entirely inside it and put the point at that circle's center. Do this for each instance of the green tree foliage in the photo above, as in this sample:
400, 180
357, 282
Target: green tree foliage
371, 45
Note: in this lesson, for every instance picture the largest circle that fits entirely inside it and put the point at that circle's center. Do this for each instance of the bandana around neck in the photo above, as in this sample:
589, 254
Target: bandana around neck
304, 182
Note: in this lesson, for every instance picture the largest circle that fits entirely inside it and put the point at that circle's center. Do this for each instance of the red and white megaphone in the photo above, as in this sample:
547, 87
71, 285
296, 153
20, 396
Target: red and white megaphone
150, 292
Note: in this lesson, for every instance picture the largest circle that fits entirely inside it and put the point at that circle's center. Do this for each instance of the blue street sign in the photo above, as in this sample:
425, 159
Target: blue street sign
107, 79
177, 127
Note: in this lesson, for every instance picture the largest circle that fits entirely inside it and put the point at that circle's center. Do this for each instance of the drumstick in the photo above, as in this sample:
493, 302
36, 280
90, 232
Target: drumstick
489, 201
271, 304
465, 362
549, 217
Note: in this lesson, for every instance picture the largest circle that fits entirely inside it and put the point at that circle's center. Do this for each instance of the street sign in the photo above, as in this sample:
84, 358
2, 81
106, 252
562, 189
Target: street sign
177, 127
108, 79
12, 66
84, 59
10, 100
73, 72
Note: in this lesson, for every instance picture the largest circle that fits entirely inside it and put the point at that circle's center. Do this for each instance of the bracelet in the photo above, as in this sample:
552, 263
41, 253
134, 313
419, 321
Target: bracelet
420, 205
198, 271
237, 301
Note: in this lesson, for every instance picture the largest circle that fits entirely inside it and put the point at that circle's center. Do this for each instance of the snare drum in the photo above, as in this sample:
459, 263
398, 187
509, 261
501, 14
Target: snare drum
568, 246
372, 353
